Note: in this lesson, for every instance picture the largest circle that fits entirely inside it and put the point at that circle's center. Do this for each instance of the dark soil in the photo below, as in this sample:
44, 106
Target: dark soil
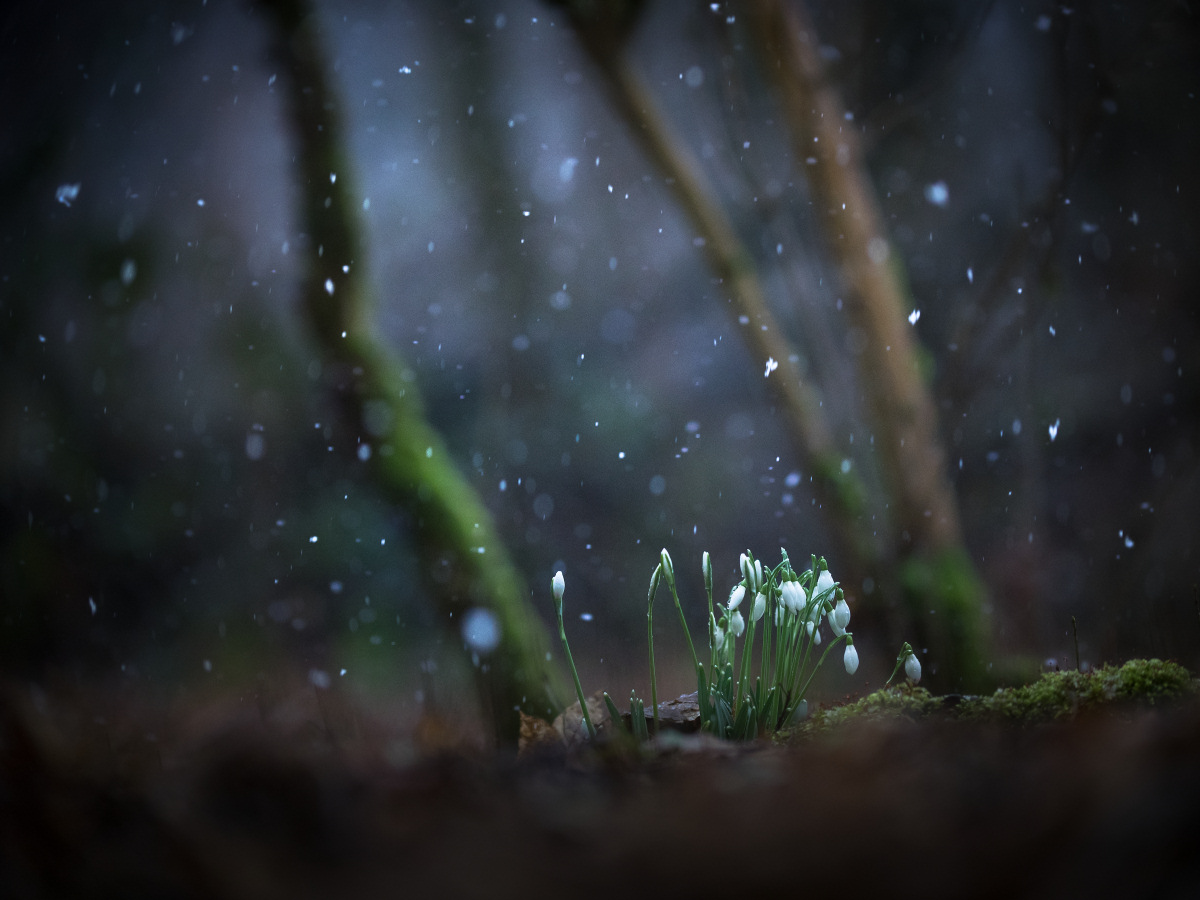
1103, 804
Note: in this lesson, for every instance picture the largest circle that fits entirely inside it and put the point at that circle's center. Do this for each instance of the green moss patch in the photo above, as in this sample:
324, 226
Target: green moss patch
1061, 695
1056, 696
901, 701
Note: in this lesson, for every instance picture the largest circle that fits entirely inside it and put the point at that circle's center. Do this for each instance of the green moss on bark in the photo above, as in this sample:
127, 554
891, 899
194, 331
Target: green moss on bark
1055, 696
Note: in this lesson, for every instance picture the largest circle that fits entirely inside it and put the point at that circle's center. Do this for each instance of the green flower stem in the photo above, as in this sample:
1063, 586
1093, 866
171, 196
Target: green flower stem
768, 625
562, 634
654, 579
682, 620
820, 662
905, 650
744, 671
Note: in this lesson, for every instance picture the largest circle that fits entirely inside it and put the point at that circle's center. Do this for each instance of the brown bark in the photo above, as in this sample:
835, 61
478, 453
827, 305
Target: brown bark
907, 447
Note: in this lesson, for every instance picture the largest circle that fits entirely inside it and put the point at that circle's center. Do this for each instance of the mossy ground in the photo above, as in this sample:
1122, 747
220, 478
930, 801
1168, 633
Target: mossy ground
1053, 697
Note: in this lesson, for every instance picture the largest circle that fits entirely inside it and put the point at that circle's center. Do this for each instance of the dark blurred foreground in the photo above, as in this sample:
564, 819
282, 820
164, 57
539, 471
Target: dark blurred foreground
302, 796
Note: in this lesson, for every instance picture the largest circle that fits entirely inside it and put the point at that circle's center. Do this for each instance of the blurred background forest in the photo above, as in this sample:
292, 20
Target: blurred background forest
177, 510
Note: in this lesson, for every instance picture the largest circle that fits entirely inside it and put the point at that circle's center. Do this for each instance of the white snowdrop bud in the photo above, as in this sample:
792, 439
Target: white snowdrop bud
736, 596
912, 668
760, 606
825, 584
842, 613
668, 566
851, 657
832, 619
559, 585
793, 596
737, 624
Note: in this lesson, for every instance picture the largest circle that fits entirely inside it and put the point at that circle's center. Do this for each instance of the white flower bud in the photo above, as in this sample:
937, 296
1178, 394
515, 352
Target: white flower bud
760, 606
851, 658
559, 584
668, 566
832, 618
825, 584
736, 596
842, 613
737, 624
793, 596
912, 668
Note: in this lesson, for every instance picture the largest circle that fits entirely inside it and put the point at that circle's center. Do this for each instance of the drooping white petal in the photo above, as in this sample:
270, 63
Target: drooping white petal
912, 668
760, 606
736, 596
832, 618
737, 624
793, 596
825, 583
851, 659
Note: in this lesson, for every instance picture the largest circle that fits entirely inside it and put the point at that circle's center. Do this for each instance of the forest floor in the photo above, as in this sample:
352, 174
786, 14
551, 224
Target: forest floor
1074, 785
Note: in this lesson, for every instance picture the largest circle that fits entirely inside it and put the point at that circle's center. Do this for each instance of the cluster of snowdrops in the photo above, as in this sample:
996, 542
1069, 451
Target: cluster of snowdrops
781, 609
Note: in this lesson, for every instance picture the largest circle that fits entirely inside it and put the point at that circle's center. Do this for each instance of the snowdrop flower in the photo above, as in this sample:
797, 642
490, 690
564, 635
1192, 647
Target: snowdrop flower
912, 668
825, 584
668, 566
908, 659
842, 613
747, 568
737, 624
735, 597
832, 618
760, 606
793, 596
851, 657
559, 584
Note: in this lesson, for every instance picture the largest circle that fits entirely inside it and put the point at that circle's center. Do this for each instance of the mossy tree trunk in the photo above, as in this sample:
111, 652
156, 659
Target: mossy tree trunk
378, 404
942, 596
